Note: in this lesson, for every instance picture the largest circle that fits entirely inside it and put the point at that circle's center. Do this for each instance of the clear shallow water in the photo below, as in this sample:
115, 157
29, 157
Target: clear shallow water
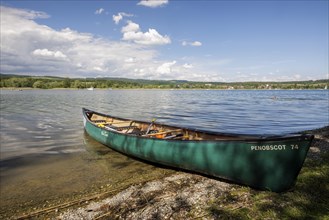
43, 143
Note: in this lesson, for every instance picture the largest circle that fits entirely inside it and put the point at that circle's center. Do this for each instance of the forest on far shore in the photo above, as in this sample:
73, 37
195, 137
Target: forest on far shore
49, 82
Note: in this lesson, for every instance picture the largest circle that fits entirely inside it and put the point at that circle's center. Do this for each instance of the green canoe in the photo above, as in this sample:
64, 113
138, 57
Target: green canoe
263, 162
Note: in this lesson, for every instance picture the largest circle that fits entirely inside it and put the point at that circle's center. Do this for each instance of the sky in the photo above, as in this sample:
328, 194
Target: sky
219, 41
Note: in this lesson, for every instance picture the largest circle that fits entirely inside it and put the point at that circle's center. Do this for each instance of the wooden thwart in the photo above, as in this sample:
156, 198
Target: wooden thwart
119, 122
164, 132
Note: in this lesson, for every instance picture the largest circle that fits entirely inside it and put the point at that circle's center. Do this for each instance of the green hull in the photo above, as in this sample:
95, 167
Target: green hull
264, 163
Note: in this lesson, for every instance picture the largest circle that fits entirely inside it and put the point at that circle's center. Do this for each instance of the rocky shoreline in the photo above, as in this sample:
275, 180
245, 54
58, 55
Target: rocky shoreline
177, 196
180, 196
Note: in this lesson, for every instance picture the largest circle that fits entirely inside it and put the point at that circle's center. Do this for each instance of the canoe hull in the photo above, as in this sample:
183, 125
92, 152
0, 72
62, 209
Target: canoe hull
270, 164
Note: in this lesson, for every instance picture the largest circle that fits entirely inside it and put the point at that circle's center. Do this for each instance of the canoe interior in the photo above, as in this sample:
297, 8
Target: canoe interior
155, 130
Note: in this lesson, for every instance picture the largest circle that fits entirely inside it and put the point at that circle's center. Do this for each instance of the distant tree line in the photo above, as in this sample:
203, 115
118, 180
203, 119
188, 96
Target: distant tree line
16, 81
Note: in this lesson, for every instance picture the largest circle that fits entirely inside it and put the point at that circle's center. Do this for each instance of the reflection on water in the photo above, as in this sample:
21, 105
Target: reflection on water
45, 154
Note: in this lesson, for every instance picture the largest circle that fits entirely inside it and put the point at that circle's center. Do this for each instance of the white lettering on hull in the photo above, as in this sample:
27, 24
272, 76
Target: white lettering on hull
105, 133
268, 147
273, 147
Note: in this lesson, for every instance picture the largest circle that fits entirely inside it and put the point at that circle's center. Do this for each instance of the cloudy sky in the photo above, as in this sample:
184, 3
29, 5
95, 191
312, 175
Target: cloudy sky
166, 39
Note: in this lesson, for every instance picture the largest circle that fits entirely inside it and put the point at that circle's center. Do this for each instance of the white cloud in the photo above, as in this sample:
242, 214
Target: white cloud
130, 60
194, 43
97, 68
27, 47
153, 3
99, 11
49, 53
188, 66
130, 27
131, 32
165, 67
26, 14
117, 18
297, 76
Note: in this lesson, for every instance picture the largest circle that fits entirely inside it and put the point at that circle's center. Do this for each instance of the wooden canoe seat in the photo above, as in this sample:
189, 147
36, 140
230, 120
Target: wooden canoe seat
112, 126
174, 137
121, 122
163, 133
120, 128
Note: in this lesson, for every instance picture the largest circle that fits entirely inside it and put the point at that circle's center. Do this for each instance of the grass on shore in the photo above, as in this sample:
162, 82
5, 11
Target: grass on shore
309, 199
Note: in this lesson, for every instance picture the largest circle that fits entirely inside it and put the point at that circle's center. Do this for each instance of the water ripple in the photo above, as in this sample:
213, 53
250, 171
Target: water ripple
50, 120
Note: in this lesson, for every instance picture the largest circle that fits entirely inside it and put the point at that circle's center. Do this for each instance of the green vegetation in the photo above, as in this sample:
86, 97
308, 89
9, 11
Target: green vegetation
48, 82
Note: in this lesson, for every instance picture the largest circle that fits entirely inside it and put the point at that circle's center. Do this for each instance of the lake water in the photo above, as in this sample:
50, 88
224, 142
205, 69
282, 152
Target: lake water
45, 153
